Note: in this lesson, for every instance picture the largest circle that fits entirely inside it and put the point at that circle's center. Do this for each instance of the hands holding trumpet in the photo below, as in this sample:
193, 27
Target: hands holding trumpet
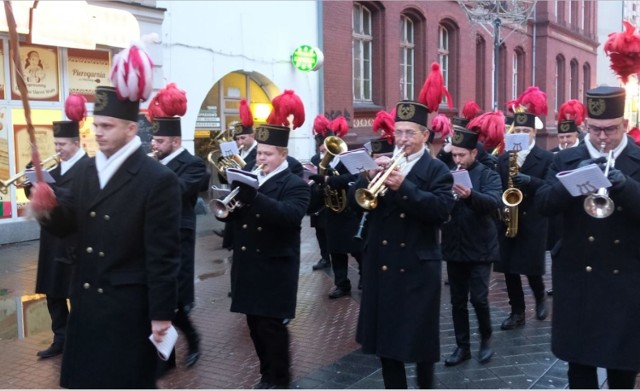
394, 179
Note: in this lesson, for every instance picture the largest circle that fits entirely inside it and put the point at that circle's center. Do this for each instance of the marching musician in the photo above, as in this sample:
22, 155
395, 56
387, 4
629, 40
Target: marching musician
596, 306
244, 134
266, 253
524, 254
316, 209
341, 220
56, 255
470, 246
193, 178
400, 307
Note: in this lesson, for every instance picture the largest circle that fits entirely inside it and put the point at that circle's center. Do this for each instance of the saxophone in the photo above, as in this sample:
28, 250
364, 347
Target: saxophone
511, 198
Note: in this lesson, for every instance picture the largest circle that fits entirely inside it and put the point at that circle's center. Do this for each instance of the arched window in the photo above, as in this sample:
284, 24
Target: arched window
503, 75
447, 55
362, 53
574, 81
586, 77
517, 78
481, 76
407, 58
574, 8
559, 81
443, 52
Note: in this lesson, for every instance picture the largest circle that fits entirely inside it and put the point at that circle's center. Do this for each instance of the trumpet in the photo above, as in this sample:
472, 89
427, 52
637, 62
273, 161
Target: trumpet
153, 155
599, 204
222, 208
20, 180
368, 198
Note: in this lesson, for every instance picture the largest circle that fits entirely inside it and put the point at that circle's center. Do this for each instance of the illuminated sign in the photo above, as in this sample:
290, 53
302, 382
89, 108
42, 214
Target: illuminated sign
307, 58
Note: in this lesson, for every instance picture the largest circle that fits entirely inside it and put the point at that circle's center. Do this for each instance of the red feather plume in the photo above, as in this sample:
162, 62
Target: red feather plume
533, 101
623, 50
168, 102
635, 134
572, 110
290, 109
274, 116
246, 117
470, 110
433, 89
490, 128
442, 125
385, 125
75, 107
320, 124
339, 126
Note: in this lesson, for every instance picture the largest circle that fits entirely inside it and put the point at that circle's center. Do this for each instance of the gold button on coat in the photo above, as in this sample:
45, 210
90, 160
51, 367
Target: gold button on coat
591, 238
107, 217
384, 242
89, 250
86, 285
92, 214
101, 254
588, 268
402, 215
384, 268
100, 290
616, 271
616, 241
259, 228
244, 226
243, 248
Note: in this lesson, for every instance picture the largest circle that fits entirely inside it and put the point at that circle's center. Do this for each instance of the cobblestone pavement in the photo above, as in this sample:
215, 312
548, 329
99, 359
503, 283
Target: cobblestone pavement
324, 351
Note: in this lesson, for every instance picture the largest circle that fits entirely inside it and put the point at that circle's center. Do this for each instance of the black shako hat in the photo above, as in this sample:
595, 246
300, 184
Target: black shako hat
412, 112
108, 104
567, 126
273, 135
464, 138
166, 126
527, 120
382, 145
66, 129
605, 102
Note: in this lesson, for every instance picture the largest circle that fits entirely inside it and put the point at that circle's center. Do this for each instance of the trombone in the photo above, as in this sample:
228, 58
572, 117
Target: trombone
20, 180
222, 208
368, 198
599, 204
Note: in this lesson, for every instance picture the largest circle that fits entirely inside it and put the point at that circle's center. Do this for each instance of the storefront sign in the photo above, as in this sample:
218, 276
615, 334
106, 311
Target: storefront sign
41, 74
87, 69
307, 58
44, 140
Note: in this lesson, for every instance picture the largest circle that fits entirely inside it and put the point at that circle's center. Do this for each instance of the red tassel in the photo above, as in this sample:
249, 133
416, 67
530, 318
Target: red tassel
442, 125
291, 109
385, 125
572, 110
75, 107
470, 110
635, 134
246, 117
490, 127
168, 102
433, 90
320, 124
623, 50
512, 105
43, 199
339, 126
533, 101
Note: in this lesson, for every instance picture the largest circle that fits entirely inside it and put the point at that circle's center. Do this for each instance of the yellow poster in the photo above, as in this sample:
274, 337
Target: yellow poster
2, 89
40, 65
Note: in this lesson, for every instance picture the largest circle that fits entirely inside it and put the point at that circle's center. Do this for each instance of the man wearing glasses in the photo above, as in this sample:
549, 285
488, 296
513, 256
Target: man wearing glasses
596, 271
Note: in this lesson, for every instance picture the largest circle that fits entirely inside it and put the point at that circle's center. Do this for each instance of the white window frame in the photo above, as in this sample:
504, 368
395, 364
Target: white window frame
407, 57
362, 42
443, 53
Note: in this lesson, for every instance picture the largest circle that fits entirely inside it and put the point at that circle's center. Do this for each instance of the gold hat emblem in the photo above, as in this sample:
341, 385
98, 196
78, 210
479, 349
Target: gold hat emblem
565, 127
520, 119
596, 106
56, 129
376, 146
406, 111
155, 126
102, 99
262, 135
458, 137
237, 128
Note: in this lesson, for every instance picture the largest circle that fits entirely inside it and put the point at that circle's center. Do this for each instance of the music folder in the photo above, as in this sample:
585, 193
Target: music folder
246, 177
516, 142
357, 161
462, 177
584, 180
31, 176
168, 342
229, 148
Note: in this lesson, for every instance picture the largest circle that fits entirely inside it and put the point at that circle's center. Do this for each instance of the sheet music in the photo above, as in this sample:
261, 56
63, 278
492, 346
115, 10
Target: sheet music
308, 170
461, 177
234, 174
584, 180
516, 142
367, 146
229, 148
357, 161
31, 176
168, 342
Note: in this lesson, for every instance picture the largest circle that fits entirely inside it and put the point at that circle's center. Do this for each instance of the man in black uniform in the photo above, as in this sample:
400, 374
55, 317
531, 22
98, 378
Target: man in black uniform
524, 254
55, 258
596, 313
470, 245
400, 307
193, 178
266, 253
317, 211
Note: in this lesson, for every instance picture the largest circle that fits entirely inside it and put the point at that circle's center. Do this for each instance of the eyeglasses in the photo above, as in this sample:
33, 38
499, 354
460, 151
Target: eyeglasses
609, 130
405, 133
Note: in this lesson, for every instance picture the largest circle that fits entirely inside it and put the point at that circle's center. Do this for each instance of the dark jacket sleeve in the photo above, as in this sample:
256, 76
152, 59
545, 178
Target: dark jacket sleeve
487, 199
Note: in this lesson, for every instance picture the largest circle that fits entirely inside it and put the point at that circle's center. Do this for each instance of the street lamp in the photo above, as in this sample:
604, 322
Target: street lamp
491, 15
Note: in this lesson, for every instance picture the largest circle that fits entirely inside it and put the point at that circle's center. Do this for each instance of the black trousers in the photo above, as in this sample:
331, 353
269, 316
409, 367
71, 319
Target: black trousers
321, 237
469, 278
59, 313
516, 294
271, 341
586, 377
340, 266
395, 377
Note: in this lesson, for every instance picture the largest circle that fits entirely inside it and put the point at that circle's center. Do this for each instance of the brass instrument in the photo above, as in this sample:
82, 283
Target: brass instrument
334, 199
217, 159
598, 204
368, 198
20, 180
153, 155
222, 208
511, 198
363, 220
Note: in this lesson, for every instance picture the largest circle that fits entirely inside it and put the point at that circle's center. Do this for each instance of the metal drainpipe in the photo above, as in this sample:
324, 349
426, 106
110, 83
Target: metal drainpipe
321, 46
533, 49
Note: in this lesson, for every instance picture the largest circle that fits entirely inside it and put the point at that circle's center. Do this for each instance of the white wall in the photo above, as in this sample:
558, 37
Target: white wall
610, 14
204, 41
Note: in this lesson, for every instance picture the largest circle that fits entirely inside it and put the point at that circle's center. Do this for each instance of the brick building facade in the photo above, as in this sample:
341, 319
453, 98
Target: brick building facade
380, 52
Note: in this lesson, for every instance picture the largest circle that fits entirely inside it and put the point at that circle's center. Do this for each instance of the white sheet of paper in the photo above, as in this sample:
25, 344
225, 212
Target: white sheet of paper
308, 170
367, 146
584, 180
462, 177
357, 161
233, 175
168, 342
229, 148
31, 176
516, 141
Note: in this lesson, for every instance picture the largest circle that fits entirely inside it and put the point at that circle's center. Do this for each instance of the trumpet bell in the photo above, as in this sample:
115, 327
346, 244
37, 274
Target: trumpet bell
219, 209
366, 199
598, 206
512, 197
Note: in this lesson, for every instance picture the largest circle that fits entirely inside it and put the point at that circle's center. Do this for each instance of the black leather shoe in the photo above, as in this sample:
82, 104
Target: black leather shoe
52, 351
485, 353
459, 355
550, 292
337, 293
265, 385
514, 320
541, 310
219, 232
321, 264
191, 359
